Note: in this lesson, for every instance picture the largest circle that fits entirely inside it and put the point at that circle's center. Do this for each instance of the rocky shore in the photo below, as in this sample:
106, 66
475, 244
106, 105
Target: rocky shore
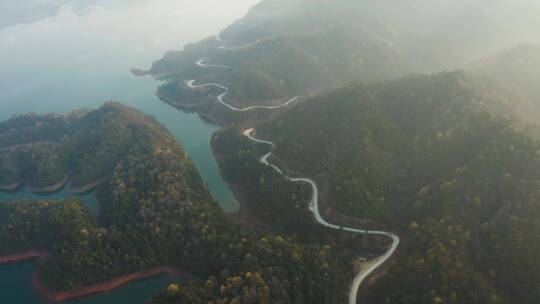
88, 187
54, 187
11, 187
51, 188
25, 256
138, 72
110, 285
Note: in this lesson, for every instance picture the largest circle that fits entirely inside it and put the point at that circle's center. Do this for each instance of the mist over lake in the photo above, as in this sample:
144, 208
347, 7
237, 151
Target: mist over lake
78, 59
73, 54
269, 151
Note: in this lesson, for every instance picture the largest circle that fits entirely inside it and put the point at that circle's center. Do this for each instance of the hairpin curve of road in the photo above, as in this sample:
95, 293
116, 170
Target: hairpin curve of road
314, 208
314, 201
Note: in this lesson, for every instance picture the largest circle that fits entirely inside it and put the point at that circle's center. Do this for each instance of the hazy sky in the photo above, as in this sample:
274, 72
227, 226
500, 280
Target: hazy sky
74, 56
18, 11
146, 27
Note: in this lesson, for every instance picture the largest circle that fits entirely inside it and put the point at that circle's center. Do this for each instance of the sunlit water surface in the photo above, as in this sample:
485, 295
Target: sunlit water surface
72, 60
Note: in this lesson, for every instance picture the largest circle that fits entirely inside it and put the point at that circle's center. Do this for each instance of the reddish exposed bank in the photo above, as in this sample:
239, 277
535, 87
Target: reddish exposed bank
88, 290
105, 286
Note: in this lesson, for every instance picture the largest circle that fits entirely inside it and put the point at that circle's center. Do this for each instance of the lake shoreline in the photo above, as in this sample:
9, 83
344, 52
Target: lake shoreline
54, 187
11, 187
25, 256
36, 189
244, 215
209, 116
139, 72
174, 103
107, 286
51, 188
87, 187
115, 283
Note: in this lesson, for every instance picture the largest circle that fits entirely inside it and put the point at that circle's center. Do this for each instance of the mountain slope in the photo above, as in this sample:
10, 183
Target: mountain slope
305, 46
433, 157
516, 69
155, 212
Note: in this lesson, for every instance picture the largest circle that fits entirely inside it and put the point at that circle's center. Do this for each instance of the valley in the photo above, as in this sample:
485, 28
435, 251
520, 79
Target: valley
378, 152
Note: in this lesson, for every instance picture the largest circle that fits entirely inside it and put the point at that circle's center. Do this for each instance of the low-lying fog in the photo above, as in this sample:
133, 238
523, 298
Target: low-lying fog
81, 47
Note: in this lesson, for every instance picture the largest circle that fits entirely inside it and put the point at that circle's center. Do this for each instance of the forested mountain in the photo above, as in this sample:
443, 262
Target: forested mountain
516, 69
433, 158
303, 46
40, 150
155, 211
436, 159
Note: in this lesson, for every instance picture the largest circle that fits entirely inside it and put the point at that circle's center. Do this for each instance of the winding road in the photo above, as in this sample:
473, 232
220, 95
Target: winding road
314, 208
203, 65
191, 84
368, 268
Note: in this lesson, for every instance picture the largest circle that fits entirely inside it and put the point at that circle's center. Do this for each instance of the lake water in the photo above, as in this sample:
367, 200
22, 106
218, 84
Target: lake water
80, 60
87, 198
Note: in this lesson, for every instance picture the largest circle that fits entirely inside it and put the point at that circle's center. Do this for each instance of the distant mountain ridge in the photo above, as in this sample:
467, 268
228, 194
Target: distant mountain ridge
304, 46
516, 69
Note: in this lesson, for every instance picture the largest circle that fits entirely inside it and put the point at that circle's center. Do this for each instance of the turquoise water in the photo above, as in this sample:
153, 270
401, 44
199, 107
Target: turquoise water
71, 61
16, 280
22, 193
16, 288
191, 131
16, 284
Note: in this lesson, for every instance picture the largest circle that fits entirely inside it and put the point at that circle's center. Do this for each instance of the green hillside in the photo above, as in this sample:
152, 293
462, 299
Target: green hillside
434, 158
155, 211
305, 46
